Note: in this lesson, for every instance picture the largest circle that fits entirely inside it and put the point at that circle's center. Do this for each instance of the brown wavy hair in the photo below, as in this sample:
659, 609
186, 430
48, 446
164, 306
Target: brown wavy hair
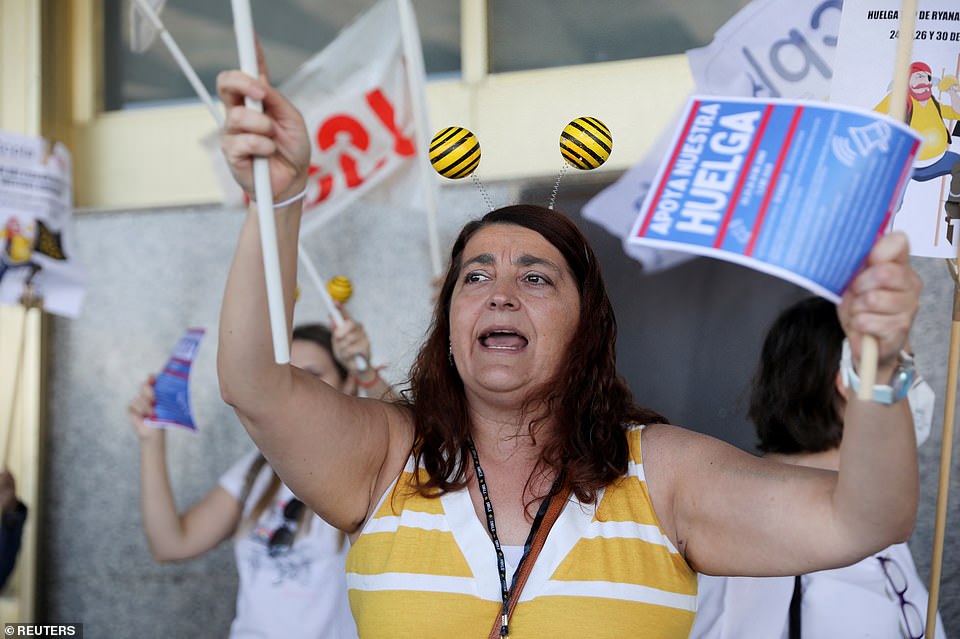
589, 403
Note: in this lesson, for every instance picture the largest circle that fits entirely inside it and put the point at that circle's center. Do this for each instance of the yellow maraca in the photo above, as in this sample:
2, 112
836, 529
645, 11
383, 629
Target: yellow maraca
586, 143
340, 288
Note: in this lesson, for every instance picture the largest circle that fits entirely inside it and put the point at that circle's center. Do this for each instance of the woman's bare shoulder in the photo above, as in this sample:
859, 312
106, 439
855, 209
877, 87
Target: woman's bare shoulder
678, 464
671, 442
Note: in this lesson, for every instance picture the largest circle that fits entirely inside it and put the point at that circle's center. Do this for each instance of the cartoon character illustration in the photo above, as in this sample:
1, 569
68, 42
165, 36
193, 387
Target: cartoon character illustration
21, 243
18, 247
927, 116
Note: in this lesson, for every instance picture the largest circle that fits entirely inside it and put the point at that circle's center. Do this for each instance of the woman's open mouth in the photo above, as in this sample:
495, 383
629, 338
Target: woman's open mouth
503, 340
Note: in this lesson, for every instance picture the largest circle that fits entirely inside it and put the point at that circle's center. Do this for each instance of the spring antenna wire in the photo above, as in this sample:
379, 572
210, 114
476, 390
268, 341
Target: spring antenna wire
556, 186
483, 191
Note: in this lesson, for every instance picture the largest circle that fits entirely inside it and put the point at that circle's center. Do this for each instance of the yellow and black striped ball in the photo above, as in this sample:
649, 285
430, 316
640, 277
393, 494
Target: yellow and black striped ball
586, 143
340, 288
454, 152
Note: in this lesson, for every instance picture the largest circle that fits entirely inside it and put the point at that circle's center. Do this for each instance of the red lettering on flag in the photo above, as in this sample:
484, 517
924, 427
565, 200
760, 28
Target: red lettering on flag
380, 105
358, 144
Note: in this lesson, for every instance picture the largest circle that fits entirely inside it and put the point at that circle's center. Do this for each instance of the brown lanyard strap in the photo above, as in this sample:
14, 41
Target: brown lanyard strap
557, 503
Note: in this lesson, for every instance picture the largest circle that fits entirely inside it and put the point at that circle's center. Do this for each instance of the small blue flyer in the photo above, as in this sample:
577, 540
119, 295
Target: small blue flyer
172, 385
799, 190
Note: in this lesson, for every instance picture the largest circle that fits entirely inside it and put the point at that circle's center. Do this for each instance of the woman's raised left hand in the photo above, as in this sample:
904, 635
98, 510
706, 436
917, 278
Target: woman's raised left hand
882, 299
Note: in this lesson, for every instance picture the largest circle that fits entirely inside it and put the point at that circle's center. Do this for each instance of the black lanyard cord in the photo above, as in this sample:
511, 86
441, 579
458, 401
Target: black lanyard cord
492, 527
796, 607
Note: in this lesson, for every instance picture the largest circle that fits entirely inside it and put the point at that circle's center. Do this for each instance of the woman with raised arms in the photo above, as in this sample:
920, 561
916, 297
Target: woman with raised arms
516, 423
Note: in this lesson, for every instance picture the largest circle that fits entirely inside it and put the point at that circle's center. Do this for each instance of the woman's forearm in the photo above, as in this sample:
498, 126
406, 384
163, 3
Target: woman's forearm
158, 510
172, 535
878, 483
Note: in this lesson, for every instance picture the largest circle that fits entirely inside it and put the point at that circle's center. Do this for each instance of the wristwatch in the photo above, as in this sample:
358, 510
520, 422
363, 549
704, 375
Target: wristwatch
903, 376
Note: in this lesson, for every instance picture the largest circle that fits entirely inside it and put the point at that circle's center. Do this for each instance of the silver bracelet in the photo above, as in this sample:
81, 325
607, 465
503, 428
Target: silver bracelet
299, 196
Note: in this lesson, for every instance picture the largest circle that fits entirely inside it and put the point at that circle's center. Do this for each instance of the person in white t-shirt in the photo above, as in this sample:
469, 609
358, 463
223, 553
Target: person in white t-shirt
796, 405
290, 562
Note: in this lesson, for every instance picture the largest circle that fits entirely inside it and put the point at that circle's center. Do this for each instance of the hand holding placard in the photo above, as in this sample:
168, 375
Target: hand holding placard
172, 386
800, 190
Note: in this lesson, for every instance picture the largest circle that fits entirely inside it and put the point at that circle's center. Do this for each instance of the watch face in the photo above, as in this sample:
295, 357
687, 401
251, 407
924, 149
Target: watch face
902, 381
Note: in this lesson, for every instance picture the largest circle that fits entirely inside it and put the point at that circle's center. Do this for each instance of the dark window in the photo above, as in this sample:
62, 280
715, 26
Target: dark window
290, 31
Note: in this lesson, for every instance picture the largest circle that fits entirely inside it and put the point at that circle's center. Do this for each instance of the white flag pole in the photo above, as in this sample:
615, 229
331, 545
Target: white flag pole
413, 56
319, 284
246, 47
181, 59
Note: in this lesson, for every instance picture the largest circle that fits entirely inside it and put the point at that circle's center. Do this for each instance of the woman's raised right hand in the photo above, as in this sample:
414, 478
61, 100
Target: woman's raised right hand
278, 134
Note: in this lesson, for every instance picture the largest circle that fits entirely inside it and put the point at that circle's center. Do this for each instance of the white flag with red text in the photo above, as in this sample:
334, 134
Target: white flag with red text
362, 98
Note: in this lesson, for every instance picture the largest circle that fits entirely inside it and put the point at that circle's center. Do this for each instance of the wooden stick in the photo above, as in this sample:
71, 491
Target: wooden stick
247, 49
946, 444
946, 450
29, 300
17, 375
898, 108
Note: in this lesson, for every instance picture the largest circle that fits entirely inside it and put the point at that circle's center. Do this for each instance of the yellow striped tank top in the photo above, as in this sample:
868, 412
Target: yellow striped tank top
426, 568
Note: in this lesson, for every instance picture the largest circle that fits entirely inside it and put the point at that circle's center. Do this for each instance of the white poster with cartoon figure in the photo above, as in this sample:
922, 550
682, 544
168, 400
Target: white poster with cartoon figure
863, 76
36, 213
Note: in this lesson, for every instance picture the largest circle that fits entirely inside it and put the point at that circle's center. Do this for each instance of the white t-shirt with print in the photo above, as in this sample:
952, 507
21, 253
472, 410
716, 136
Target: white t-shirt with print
300, 593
